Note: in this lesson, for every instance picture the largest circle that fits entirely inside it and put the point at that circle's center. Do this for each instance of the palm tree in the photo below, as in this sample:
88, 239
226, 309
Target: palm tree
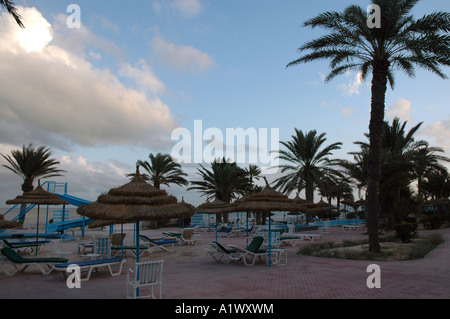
336, 187
426, 162
307, 162
404, 159
224, 181
9, 6
436, 184
253, 172
162, 170
401, 42
31, 163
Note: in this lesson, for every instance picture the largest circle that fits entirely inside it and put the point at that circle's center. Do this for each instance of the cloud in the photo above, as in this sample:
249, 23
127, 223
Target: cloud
352, 87
400, 109
182, 58
187, 8
347, 111
440, 132
143, 76
51, 96
77, 40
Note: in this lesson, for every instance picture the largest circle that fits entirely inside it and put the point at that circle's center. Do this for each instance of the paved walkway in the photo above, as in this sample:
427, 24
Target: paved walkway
190, 274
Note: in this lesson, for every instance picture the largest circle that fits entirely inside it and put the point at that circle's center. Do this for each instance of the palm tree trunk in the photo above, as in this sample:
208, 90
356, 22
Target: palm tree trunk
309, 190
379, 85
27, 186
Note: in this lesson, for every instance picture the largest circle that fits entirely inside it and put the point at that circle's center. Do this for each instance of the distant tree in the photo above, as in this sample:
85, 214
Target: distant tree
307, 162
162, 170
30, 164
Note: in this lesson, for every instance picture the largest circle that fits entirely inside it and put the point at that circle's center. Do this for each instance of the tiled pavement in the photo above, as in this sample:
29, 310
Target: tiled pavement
190, 274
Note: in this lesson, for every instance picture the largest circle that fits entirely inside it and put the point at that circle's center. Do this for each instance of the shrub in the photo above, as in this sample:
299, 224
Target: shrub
405, 231
422, 248
434, 221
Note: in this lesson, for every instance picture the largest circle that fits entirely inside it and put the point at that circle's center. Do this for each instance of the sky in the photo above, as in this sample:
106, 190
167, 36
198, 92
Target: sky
106, 83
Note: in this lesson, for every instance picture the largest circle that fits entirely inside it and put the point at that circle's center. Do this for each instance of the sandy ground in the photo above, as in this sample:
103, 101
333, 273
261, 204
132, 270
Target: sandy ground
189, 273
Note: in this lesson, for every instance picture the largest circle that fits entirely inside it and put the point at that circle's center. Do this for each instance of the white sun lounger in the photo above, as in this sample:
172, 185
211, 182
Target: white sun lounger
92, 265
352, 227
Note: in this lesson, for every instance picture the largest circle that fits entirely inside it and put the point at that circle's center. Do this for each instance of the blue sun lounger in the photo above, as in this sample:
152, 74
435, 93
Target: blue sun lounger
92, 265
164, 244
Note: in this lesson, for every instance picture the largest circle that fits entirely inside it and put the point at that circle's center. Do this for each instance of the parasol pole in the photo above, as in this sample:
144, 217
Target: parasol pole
137, 253
37, 231
270, 243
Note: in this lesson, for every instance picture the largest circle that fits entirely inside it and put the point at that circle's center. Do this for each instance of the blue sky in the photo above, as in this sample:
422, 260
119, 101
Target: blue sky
112, 91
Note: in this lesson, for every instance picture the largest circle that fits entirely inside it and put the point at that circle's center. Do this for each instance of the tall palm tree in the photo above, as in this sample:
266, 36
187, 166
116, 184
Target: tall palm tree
9, 6
401, 42
162, 170
307, 162
31, 163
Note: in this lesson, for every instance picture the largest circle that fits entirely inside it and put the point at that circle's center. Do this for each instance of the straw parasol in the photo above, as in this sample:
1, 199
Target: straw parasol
267, 200
320, 206
38, 196
215, 207
6, 224
133, 202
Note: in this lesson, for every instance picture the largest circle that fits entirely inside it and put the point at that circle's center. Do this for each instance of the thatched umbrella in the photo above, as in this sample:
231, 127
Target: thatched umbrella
216, 207
38, 196
267, 200
134, 202
6, 224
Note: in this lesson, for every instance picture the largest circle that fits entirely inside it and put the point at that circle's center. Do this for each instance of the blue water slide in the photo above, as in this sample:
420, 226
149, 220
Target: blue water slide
60, 227
75, 201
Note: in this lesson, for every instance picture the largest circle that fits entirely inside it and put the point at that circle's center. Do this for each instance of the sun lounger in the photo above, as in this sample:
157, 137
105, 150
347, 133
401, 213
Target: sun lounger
223, 255
188, 237
225, 231
164, 244
253, 251
116, 250
352, 227
20, 263
92, 265
24, 246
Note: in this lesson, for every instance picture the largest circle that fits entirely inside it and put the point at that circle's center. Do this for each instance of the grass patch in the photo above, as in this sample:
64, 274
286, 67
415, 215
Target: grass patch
391, 249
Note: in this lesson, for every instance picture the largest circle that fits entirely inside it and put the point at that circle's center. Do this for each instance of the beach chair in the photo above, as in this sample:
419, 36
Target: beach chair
58, 250
45, 265
92, 265
116, 250
325, 229
252, 252
145, 275
164, 244
225, 231
187, 236
223, 255
117, 239
25, 246
101, 248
